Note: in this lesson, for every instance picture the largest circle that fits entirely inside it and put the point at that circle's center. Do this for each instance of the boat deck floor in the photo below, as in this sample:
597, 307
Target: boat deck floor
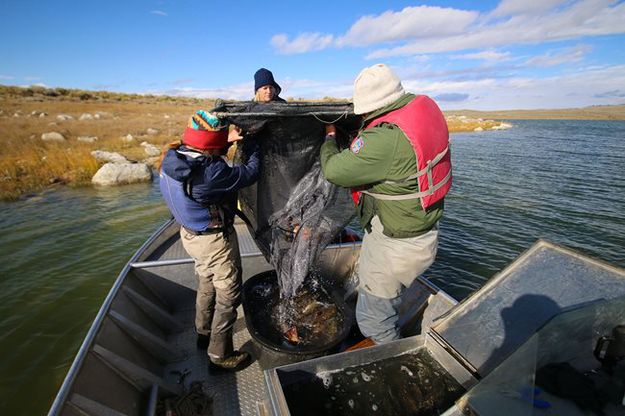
238, 393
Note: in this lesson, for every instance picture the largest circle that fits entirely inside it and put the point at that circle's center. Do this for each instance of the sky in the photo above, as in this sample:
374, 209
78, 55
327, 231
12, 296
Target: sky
487, 55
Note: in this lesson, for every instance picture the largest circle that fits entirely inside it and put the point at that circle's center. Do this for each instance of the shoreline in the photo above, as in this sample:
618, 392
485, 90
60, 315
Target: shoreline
133, 125
599, 112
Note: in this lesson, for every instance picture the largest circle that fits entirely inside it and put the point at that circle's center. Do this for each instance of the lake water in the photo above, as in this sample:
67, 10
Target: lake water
60, 252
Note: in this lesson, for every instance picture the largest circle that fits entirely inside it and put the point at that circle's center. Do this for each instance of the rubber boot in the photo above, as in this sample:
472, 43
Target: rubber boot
222, 355
236, 361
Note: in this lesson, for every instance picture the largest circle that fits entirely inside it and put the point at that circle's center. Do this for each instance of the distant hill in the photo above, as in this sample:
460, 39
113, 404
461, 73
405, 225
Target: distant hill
598, 112
38, 93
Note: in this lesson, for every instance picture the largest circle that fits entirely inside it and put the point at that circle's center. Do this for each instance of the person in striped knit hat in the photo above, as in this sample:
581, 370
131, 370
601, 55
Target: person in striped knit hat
200, 188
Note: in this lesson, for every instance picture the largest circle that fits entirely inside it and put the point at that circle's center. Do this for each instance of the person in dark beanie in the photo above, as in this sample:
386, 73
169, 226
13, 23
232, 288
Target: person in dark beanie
265, 87
199, 187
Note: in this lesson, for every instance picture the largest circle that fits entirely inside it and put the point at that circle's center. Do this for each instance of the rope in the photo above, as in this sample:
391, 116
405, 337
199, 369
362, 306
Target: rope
222, 114
330, 122
190, 403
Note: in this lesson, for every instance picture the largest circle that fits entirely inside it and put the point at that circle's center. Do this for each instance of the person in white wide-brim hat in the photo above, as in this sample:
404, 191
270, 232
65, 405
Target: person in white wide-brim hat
399, 169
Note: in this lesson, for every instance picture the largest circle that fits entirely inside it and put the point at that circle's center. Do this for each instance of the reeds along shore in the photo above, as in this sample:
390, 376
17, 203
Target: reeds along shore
29, 164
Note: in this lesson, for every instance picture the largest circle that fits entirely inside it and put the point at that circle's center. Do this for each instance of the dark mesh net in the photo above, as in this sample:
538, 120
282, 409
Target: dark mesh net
294, 212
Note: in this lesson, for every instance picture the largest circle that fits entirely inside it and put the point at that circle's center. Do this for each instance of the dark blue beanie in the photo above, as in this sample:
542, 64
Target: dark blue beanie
264, 77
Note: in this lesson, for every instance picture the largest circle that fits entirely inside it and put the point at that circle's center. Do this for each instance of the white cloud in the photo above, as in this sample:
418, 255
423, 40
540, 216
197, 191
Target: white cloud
480, 91
428, 29
574, 54
304, 42
487, 55
578, 89
419, 59
296, 88
409, 23
32, 78
158, 12
511, 7
582, 18
37, 84
6, 77
243, 91
439, 87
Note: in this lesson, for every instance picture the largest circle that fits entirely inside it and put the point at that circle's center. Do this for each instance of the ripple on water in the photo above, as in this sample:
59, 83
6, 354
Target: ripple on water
60, 251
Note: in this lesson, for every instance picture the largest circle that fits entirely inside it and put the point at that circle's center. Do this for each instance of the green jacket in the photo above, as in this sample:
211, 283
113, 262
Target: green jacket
384, 153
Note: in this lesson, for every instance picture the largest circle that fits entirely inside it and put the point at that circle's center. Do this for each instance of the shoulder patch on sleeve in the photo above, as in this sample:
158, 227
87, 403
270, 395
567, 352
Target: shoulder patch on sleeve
357, 145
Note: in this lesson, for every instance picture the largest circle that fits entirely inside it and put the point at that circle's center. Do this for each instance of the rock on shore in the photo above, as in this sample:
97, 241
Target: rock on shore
462, 123
112, 157
87, 139
150, 149
122, 173
53, 136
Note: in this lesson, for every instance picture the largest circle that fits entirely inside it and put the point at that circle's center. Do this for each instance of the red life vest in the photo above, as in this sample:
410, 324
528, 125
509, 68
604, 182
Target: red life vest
424, 124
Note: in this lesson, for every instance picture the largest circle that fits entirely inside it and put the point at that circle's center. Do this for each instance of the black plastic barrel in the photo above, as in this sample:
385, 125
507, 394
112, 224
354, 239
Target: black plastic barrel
260, 298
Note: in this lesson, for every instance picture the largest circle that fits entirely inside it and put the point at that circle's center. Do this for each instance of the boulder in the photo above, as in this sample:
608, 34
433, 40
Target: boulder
53, 136
86, 116
109, 157
151, 161
128, 138
502, 126
88, 139
122, 173
150, 149
64, 117
478, 129
150, 131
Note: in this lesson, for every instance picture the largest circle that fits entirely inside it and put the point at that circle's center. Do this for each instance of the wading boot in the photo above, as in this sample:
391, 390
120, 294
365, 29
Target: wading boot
202, 341
237, 361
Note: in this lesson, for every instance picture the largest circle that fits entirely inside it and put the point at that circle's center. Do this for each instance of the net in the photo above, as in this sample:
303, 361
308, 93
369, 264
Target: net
294, 212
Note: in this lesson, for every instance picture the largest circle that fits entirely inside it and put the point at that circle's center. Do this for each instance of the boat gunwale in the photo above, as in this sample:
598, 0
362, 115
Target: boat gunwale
63, 395
61, 398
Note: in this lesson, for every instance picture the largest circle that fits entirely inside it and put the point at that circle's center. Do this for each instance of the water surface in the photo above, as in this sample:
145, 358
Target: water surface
60, 252
559, 180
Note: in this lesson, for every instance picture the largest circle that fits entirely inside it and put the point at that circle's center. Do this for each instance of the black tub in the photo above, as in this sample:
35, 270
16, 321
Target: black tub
260, 296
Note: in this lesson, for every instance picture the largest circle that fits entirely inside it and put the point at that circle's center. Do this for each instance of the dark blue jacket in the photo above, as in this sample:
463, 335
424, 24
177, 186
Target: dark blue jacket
200, 190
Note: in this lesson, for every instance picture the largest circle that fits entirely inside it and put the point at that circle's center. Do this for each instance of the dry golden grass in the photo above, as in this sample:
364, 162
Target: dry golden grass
29, 164
599, 112
458, 125
33, 167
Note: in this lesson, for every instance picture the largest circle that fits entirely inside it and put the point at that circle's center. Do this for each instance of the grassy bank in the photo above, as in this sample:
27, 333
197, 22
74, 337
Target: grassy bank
597, 112
28, 164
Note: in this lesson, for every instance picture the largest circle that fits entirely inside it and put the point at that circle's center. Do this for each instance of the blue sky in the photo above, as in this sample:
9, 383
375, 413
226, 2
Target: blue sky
479, 55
